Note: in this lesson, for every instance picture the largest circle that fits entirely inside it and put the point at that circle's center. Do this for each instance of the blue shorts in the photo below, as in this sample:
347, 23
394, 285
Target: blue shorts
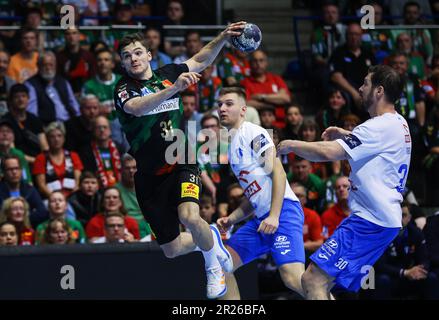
286, 245
355, 245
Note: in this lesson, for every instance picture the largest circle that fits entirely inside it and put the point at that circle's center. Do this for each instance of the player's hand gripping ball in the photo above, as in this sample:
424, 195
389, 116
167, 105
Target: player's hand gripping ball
249, 40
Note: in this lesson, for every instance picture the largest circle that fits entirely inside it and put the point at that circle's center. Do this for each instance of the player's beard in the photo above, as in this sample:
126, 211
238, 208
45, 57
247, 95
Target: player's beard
368, 101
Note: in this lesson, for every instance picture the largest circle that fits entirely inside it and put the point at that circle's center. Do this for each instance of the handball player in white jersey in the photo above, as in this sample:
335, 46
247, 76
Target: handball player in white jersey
378, 151
277, 225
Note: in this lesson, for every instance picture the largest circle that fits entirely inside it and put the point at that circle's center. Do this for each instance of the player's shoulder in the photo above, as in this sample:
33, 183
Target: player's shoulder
123, 82
251, 130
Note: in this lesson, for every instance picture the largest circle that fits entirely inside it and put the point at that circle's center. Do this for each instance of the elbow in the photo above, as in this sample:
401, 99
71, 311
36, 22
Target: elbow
131, 109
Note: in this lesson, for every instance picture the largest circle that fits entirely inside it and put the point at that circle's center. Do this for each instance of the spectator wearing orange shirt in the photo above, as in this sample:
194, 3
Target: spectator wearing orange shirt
332, 217
23, 64
312, 227
265, 88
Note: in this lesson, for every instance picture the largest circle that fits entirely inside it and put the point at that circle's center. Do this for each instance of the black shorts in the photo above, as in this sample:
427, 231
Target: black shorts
159, 197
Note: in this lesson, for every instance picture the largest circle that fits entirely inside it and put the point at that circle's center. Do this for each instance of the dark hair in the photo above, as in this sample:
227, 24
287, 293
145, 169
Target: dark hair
206, 199
96, 43
190, 32
32, 11
309, 124
17, 88
97, 53
25, 30
8, 222
239, 91
188, 93
389, 79
132, 38
114, 214
411, 4
351, 117
209, 116
8, 157
87, 175
296, 106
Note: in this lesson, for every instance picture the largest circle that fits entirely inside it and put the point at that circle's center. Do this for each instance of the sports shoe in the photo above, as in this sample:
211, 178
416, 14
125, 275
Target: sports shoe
223, 255
216, 282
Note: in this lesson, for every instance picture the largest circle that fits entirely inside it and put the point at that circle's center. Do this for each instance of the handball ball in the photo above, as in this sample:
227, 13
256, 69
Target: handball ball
249, 40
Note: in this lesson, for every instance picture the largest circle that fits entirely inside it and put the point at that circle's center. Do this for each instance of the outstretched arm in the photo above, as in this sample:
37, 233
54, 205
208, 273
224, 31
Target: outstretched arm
313, 151
209, 52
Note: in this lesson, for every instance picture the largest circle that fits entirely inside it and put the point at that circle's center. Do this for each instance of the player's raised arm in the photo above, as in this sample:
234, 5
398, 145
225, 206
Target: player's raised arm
209, 52
313, 151
140, 106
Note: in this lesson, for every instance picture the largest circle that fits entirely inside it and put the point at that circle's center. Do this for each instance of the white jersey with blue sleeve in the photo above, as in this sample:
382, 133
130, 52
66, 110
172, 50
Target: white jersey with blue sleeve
379, 151
247, 145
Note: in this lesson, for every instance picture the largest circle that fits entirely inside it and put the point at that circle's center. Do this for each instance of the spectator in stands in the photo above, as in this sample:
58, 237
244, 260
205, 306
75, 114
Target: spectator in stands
335, 108
301, 172
123, 15
127, 191
23, 64
174, 16
234, 67
103, 83
13, 186
16, 211
332, 217
58, 231
101, 155
193, 45
5, 82
267, 115
32, 20
74, 63
28, 129
58, 210
430, 163
115, 230
417, 66
431, 85
207, 208
379, 41
90, 9
350, 121
85, 202
213, 162
312, 227
325, 38
309, 131
190, 114
6, 147
57, 169
50, 95
411, 104
403, 269
207, 90
159, 59
349, 64
102, 86
421, 37
8, 234
111, 203
79, 129
265, 88
431, 232
294, 119
412, 107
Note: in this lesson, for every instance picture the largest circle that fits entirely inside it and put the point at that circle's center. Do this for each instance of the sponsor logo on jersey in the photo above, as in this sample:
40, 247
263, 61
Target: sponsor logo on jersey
352, 141
123, 95
323, 256
282, 242
332, 243
189, 190
166, 83
258, 143
252, 189
285, 252
165, 106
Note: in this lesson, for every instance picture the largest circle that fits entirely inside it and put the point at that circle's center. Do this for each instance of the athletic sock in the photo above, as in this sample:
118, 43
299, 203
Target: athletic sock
210, 259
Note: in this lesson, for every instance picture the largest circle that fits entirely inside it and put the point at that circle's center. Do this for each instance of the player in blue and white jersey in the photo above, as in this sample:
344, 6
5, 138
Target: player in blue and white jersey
277, 225
378, 151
